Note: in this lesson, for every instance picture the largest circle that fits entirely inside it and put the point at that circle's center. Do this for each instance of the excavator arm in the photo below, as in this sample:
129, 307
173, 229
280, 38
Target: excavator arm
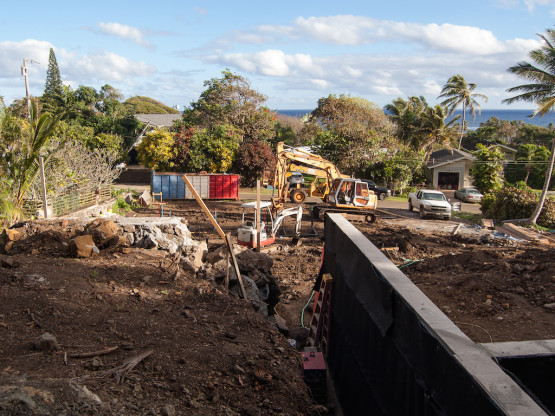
291, 159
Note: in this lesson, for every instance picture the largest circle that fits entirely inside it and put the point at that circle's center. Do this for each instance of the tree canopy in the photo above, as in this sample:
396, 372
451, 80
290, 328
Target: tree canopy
456, 92
354, 130
541, 91
53, 85
147, 105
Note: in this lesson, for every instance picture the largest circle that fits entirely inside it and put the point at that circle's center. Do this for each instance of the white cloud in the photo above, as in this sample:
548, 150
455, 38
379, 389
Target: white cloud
532, 4
271, 62
349, 30
107, 66
94, 69
319, 83
13, 53
200, 10
125, 32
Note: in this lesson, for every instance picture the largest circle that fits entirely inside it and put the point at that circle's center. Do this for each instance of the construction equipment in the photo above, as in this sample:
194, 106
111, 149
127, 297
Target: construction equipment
246, 234
291, 159
349, 196
342, 194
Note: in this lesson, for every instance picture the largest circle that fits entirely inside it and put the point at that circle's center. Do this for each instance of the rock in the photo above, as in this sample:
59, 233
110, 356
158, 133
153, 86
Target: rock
8, 262
249, 261
82, 246
8, 246
46, 342
212, 257
11, 235
95, 364
102, 230
252, 293
550, 306
168, 410
194, 254
520, 290
279, 323
487, 238
120, 241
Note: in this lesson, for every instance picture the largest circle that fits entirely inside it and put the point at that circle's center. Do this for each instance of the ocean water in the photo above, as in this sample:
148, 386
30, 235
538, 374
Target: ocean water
501, 114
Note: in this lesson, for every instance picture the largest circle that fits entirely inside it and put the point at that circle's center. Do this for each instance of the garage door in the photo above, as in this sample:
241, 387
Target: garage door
448, 180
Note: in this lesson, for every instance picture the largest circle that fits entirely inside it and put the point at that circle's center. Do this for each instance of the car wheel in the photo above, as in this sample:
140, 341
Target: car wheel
422, 213
410, 206
382, 196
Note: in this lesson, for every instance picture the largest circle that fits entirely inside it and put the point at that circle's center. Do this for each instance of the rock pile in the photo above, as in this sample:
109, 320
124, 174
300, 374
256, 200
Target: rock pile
169, 234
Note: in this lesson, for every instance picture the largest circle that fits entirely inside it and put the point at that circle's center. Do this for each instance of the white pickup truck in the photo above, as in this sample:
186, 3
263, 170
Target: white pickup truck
430, 203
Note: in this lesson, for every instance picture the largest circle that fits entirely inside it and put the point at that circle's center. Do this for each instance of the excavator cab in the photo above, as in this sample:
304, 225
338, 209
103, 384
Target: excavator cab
246, 234
348, 192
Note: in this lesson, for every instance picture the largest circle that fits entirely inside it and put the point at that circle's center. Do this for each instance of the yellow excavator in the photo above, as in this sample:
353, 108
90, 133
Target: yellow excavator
341, 193
292, 159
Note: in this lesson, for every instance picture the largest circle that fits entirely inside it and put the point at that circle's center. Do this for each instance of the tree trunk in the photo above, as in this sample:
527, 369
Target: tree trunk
462, 125
548, 174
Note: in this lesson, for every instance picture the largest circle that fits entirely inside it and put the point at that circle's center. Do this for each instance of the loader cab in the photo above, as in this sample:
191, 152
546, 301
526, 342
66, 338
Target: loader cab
349, 192
246, 234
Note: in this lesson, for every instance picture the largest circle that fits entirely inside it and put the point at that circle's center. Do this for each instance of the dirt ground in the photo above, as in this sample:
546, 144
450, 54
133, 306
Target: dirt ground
134, 340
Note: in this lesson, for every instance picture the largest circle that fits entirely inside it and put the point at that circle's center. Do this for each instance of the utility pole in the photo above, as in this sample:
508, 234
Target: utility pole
24, 74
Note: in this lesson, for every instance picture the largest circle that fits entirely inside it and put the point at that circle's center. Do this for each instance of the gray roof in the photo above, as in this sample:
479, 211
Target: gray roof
158, 120
445, 156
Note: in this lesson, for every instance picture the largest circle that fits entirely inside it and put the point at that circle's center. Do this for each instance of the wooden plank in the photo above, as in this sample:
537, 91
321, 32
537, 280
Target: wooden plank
225, 237
204, 207
525, 233
235, 265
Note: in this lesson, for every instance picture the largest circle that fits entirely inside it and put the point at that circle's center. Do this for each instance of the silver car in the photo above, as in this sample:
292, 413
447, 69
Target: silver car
468, 195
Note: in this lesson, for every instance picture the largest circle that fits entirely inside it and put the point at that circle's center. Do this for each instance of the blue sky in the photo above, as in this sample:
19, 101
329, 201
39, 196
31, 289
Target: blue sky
294, 52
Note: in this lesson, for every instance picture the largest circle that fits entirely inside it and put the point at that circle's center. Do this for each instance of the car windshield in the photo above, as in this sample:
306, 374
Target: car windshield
472, 191
433, 197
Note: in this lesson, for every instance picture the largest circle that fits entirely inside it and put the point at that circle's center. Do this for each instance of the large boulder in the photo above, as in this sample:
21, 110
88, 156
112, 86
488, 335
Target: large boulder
82, 246
249, 261
102, 230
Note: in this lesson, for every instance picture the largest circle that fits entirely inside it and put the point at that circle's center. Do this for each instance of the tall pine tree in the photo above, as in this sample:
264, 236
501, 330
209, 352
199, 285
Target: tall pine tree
53, 86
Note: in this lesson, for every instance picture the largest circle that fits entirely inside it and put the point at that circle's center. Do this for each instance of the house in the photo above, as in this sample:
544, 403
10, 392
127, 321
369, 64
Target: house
450, 169
158, 120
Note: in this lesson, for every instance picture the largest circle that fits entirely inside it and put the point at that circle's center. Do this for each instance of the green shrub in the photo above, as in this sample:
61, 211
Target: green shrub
513, 203
121, 206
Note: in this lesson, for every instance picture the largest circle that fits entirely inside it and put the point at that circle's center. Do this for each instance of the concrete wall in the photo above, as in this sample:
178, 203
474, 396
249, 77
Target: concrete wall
392, 351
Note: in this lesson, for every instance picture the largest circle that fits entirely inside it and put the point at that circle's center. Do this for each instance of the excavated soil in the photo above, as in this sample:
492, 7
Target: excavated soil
134, 339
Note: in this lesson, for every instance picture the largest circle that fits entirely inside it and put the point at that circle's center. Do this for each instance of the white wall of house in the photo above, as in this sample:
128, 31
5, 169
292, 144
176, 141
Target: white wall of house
462, 167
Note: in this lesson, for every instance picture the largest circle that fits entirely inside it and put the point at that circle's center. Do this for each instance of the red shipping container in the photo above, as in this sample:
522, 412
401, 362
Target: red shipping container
224, 186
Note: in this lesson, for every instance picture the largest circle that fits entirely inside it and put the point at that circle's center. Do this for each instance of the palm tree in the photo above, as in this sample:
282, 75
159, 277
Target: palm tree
458, 91
541, 91
435, 130
419, 125
407, 116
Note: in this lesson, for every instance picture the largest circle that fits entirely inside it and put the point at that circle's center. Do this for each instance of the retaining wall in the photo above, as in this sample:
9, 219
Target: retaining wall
393, 352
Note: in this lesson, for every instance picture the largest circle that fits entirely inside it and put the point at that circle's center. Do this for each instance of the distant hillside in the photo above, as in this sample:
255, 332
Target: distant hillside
146, 105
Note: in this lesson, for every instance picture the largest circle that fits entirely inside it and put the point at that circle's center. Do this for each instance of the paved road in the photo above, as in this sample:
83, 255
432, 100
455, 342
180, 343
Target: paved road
385, 204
